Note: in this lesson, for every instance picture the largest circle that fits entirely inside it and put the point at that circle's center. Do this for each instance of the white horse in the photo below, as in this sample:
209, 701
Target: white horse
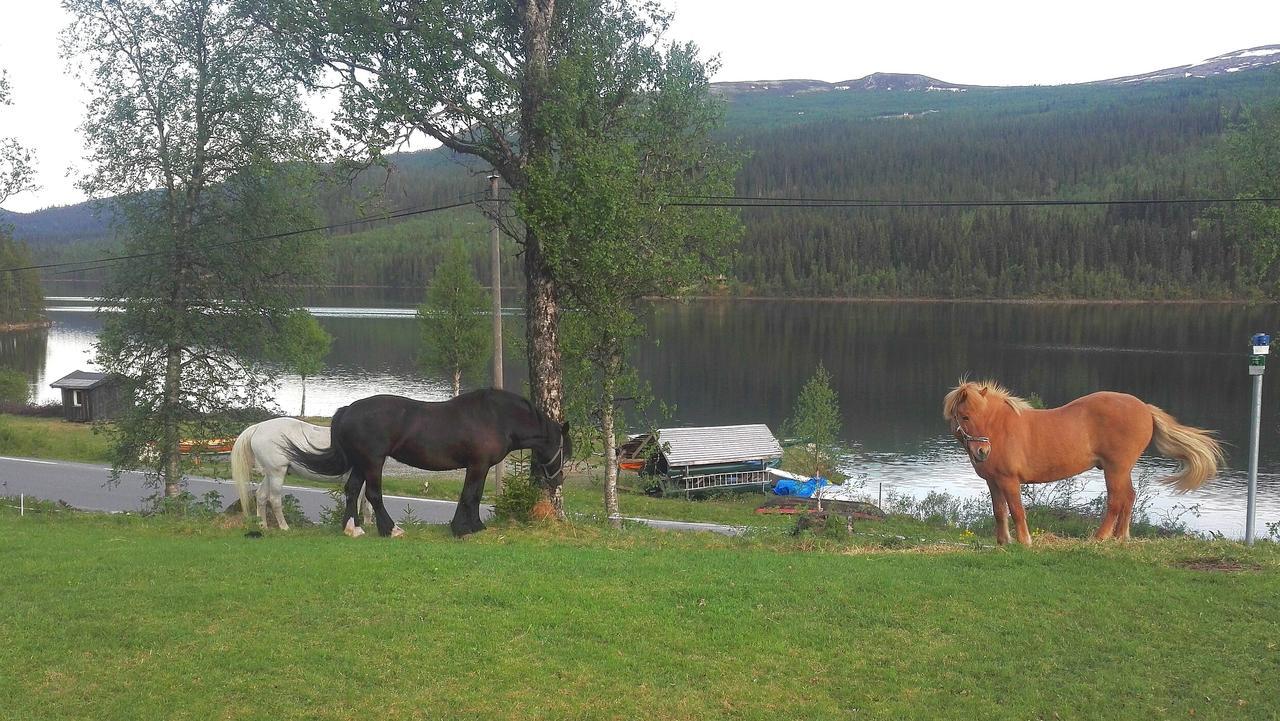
265, 446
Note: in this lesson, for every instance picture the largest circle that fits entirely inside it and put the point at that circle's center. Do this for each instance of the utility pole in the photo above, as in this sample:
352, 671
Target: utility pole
1261, 343
496, 280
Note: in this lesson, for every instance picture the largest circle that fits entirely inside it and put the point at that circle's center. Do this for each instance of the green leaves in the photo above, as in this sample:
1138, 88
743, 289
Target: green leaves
208, 144
303, 343
1252, 153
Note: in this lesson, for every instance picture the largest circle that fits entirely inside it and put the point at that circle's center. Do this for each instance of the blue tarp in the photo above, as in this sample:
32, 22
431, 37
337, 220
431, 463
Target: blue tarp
800, 489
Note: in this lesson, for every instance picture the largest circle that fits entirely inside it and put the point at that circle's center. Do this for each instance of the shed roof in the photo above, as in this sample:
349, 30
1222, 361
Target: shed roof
81, 380
718, 444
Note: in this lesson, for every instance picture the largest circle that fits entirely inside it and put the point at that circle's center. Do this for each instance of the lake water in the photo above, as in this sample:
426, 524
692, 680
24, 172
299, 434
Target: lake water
740, 361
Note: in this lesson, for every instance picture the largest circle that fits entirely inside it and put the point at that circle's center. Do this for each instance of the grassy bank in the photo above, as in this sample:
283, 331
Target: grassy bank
126, 617
52, 438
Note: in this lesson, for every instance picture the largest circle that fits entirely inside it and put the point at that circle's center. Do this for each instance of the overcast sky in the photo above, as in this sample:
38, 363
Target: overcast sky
986, 43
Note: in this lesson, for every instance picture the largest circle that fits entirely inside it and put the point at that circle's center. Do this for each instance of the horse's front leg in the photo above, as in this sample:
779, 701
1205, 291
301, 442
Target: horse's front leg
466, 518
1000, 511
1012, 488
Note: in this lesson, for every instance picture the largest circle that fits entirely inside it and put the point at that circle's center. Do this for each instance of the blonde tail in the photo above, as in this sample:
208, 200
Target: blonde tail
242, 466
1199, 452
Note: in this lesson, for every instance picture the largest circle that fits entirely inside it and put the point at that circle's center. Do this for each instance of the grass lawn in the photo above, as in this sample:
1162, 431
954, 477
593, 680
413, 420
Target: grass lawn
114, 617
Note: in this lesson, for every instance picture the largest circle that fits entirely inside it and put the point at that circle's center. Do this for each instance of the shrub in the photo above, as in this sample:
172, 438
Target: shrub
515, 503
13, 386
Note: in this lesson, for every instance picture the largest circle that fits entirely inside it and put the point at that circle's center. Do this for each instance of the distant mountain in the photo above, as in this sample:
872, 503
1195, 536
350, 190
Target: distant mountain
1233, 62
875, 81
59, 225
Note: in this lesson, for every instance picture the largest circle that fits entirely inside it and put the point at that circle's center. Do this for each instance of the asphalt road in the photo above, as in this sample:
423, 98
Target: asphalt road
86, 486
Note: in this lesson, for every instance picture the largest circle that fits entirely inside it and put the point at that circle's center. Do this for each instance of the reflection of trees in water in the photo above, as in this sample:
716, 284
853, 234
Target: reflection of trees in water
390, 345
737, 362
25, 350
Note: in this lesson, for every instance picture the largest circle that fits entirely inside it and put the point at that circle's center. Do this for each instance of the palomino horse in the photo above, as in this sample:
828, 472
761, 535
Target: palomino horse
473, 431
266, 445
1010, 443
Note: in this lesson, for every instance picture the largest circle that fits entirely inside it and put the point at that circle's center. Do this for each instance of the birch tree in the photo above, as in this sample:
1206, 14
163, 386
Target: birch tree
205, 143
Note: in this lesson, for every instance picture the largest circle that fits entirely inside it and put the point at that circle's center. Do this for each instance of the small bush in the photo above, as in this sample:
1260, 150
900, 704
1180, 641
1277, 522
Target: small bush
293, 514
516, 501
13, 386
186, 504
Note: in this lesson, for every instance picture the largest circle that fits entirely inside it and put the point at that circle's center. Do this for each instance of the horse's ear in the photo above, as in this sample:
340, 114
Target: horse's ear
983, 392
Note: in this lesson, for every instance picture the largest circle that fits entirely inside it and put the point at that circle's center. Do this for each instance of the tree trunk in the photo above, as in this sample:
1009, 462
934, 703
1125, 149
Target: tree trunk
457, 382
542, 303
543, 314
303, 410
172, 475
610, 444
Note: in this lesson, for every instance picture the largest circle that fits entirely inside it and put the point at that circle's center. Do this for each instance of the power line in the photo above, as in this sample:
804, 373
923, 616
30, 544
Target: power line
740, 201
98, 263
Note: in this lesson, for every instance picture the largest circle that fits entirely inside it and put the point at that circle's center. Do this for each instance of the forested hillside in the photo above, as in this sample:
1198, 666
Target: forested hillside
1099, 145
20, 298
1082, 142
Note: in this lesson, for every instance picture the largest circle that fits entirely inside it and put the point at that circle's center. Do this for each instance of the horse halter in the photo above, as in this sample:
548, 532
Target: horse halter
559, 456
966, 438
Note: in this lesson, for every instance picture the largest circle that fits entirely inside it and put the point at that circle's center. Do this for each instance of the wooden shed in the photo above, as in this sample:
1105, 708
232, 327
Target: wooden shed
88, 396
712, 458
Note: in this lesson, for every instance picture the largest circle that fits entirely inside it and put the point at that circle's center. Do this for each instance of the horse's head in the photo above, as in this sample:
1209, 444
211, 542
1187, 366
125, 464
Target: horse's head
969, 411
550, 456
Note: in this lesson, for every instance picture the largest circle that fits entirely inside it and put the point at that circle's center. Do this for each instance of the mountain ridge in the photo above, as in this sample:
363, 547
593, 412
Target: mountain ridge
1235, 61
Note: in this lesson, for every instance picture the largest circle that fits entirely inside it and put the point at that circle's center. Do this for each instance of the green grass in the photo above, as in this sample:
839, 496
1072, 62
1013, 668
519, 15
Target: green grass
51, 438
128, 618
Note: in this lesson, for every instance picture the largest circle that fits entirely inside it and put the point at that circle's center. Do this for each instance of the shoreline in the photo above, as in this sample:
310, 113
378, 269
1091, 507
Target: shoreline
26, 325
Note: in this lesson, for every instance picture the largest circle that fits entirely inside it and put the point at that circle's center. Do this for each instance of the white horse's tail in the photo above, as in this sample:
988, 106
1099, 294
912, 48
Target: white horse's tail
242, 466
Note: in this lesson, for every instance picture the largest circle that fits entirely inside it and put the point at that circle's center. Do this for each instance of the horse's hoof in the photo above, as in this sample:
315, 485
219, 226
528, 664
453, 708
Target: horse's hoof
352, 529
397, 532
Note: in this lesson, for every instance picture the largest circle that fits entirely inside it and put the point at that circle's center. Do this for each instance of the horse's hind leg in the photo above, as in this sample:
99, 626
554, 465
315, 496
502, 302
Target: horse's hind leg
373, 492
355, 482
366, 510
466, 518
275, 487
1120, 499
1000, 511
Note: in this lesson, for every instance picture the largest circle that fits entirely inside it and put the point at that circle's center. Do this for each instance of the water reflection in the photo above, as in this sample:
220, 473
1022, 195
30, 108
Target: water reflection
728, 362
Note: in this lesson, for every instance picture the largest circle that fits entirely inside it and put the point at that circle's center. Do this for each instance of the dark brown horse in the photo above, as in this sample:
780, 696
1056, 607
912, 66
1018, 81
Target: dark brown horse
1010, 443
473, 431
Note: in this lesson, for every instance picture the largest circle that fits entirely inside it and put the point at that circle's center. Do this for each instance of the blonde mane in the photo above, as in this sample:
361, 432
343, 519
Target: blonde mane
994, 391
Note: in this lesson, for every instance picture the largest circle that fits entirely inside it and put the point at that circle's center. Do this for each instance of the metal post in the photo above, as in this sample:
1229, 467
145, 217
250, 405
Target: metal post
495, 278
1257, 366
22, 504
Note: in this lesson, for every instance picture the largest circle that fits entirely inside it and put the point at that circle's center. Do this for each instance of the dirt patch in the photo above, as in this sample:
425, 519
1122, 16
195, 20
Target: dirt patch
1220, 565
